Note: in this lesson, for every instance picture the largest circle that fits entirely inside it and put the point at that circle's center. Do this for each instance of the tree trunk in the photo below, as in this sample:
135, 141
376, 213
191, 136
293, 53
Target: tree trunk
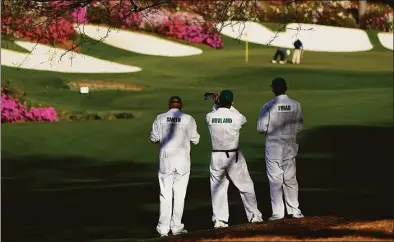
362, 7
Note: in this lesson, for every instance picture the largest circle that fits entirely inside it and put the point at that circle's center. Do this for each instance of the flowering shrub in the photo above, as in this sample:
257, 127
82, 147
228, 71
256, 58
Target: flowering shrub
316, 12
187, 26
214, 40
42, 114
376, 18
191, 28
153, 20
332, 13
217, 11
189, 18
80, 15
194, 34
174, 27
11, 111
128, 19
56, 31
14, 112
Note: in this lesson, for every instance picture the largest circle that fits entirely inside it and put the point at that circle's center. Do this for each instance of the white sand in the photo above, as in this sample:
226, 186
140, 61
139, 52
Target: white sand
386, 39
314, 37
46, 58
137, 42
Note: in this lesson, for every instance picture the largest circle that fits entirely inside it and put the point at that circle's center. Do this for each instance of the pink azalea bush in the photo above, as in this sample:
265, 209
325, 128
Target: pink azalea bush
128, 19
42, 114
190, 27
80, 15
11, 111
194, 34
56, 31
173, 27
180, 25
154, 19
189, 18
14, 112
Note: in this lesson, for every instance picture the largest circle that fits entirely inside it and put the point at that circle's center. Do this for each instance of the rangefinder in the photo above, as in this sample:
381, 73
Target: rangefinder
209, 95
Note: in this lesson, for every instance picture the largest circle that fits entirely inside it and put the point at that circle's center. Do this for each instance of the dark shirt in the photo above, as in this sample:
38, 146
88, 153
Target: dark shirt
282, 51
298, 44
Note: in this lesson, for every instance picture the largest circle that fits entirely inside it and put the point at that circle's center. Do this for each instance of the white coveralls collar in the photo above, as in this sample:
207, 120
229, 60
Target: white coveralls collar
224, 108
281, 96
174, 110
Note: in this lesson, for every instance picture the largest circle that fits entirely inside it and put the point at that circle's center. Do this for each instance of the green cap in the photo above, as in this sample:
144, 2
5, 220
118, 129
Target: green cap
175, 99
279, 82
226, 95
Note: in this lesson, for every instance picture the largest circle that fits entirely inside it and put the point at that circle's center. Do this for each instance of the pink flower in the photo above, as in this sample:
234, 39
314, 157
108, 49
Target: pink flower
12, 112
194, 34
80, 15
153, 19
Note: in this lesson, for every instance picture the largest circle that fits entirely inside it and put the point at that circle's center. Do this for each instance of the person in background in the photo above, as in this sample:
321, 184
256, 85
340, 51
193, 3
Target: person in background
282, 52
297, 52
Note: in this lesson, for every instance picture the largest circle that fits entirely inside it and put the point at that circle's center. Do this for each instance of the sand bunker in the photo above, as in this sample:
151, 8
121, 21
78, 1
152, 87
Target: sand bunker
137, 42
47, 58
104, 85
386, 39
314, 37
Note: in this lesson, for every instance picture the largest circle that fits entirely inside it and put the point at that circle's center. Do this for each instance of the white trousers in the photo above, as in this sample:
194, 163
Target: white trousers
172, 186
297, 56
281, 172
222, 169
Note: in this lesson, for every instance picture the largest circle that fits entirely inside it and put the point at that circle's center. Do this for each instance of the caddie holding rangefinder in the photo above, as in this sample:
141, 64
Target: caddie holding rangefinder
225, 123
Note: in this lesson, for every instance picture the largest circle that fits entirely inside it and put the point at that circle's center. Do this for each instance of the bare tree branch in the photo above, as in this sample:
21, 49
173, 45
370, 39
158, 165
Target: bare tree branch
30, 14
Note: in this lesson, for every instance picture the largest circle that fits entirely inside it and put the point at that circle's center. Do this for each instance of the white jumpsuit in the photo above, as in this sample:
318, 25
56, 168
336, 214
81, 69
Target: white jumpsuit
224, 127
280, 119
174, 130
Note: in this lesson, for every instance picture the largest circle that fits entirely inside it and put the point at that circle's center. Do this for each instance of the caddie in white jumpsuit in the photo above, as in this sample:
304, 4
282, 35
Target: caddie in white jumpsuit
280, 120
227, 162
174, 131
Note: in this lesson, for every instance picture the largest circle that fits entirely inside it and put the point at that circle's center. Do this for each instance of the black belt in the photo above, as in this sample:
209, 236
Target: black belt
226, 151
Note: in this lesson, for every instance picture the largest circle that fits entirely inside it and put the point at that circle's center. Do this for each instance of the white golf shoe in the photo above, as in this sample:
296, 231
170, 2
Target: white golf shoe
275, 217
297, 215
282, 62
183, 231
273, 61
220, 224
256, 219
163, 235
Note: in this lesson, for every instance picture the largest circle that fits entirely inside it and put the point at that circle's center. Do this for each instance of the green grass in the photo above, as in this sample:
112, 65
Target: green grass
98, 179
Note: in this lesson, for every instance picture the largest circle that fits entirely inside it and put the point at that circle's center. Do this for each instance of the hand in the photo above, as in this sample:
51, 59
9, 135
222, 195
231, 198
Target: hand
216, 98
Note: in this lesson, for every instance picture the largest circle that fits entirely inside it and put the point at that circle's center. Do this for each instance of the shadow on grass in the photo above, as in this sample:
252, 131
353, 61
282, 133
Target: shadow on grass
79, 199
